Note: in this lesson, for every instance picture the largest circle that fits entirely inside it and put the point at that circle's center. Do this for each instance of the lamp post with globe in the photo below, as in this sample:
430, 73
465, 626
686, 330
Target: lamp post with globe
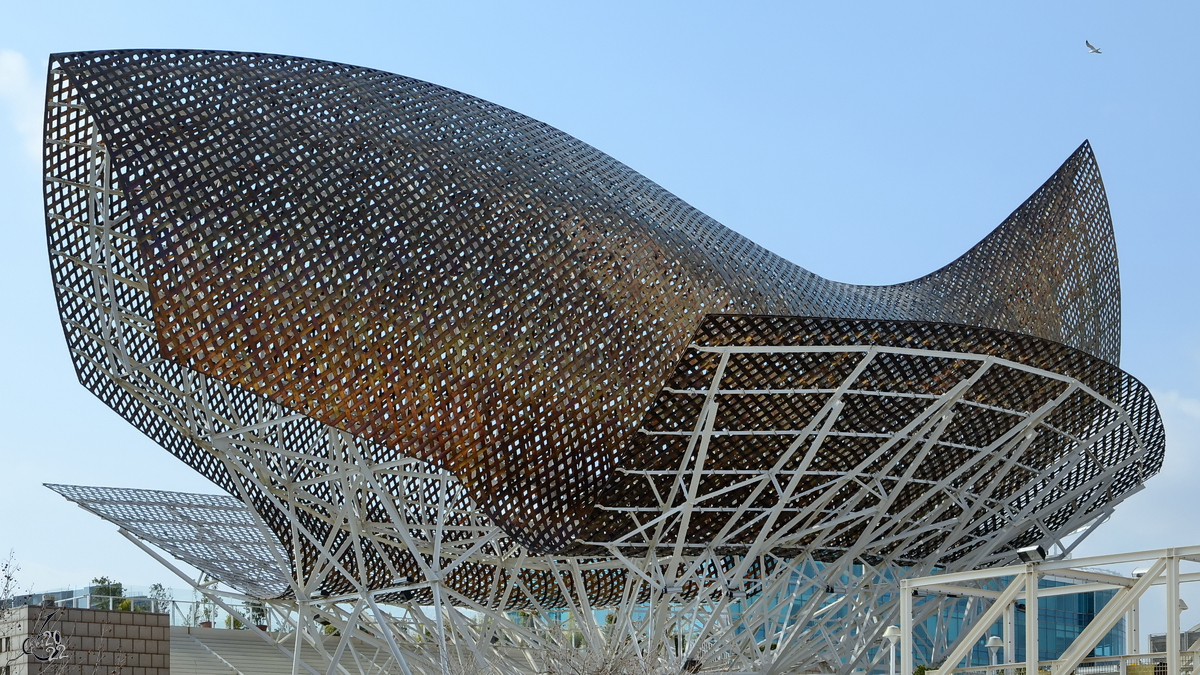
892, 635
994, 643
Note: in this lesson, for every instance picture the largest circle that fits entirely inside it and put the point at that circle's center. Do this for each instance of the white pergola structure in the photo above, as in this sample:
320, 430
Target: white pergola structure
791, 566
682, 607
1000, 589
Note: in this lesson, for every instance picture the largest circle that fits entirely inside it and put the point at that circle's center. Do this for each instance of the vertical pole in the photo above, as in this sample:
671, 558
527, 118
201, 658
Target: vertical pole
906, 609
1133, 635
438, 605
1134, 628
439, 611
299, 640
1010, 634
892, 657
1031, 621
1172, 615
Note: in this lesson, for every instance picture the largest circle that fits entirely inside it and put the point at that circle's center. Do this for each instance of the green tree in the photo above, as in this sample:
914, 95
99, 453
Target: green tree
161, 597
205, 610
106, 588
256, 612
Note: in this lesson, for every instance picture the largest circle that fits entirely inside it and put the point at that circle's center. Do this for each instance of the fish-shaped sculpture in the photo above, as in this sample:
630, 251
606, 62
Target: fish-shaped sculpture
450, 280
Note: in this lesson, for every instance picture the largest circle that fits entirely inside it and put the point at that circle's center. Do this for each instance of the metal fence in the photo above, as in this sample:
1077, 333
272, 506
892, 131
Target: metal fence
192, 613
1154, 663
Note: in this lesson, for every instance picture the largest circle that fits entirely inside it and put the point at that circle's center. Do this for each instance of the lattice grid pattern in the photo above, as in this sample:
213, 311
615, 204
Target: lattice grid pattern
447, 277
451, 356
942, 438
216, 534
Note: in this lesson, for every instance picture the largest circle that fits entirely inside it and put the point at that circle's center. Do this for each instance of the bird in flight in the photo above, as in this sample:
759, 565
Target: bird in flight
1092, 48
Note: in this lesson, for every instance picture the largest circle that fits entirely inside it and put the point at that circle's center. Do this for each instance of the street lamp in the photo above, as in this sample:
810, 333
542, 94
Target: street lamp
994, 644
892, 635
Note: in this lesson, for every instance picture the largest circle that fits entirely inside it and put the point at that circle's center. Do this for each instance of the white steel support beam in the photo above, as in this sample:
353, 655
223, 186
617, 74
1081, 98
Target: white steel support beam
1172, 606
1032, 632
1133, 629
966, 641
351, 628
1107, 617
1010, 633
215, 598
301, 626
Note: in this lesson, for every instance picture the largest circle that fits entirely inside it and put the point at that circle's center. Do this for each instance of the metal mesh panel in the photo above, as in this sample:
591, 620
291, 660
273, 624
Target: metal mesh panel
240, 237
216, 534
977, 440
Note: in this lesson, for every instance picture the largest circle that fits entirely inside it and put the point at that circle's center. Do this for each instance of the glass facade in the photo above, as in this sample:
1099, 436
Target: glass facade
1060, 620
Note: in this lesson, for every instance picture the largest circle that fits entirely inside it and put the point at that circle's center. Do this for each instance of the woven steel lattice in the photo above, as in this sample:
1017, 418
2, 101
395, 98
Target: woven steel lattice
451, 356
963, 433
288, 272
456, 282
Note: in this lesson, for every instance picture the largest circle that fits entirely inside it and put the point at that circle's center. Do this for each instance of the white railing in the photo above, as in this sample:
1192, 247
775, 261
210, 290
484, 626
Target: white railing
191, 613
1154, 663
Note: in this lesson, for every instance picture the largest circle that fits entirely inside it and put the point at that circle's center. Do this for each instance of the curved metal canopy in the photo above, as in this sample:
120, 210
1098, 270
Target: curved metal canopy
448, 355
246, 240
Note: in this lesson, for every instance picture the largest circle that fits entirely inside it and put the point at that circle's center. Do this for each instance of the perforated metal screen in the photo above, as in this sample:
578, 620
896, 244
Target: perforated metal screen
240, 236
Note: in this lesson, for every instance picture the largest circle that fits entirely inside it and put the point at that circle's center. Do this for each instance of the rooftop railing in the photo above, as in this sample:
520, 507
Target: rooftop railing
189, 613
1154, 663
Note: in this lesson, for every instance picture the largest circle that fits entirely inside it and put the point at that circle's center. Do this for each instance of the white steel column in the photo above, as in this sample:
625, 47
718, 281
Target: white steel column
1031, 621
1010, 633
1133, 629
906, 625
300, 628
1172, 593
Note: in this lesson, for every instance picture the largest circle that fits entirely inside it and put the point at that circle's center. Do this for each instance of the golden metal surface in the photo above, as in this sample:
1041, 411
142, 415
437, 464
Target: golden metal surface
448, 280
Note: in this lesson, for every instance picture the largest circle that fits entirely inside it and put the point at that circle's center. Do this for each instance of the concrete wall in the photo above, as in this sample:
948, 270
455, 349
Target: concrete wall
83, 642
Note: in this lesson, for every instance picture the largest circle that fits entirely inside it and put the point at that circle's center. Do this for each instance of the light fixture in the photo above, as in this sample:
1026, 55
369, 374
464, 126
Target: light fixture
1140, 572
673, 589
892, 634
1032, 554
994, 643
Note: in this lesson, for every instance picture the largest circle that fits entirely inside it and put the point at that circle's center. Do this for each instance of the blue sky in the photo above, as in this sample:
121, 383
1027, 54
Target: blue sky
870, 143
